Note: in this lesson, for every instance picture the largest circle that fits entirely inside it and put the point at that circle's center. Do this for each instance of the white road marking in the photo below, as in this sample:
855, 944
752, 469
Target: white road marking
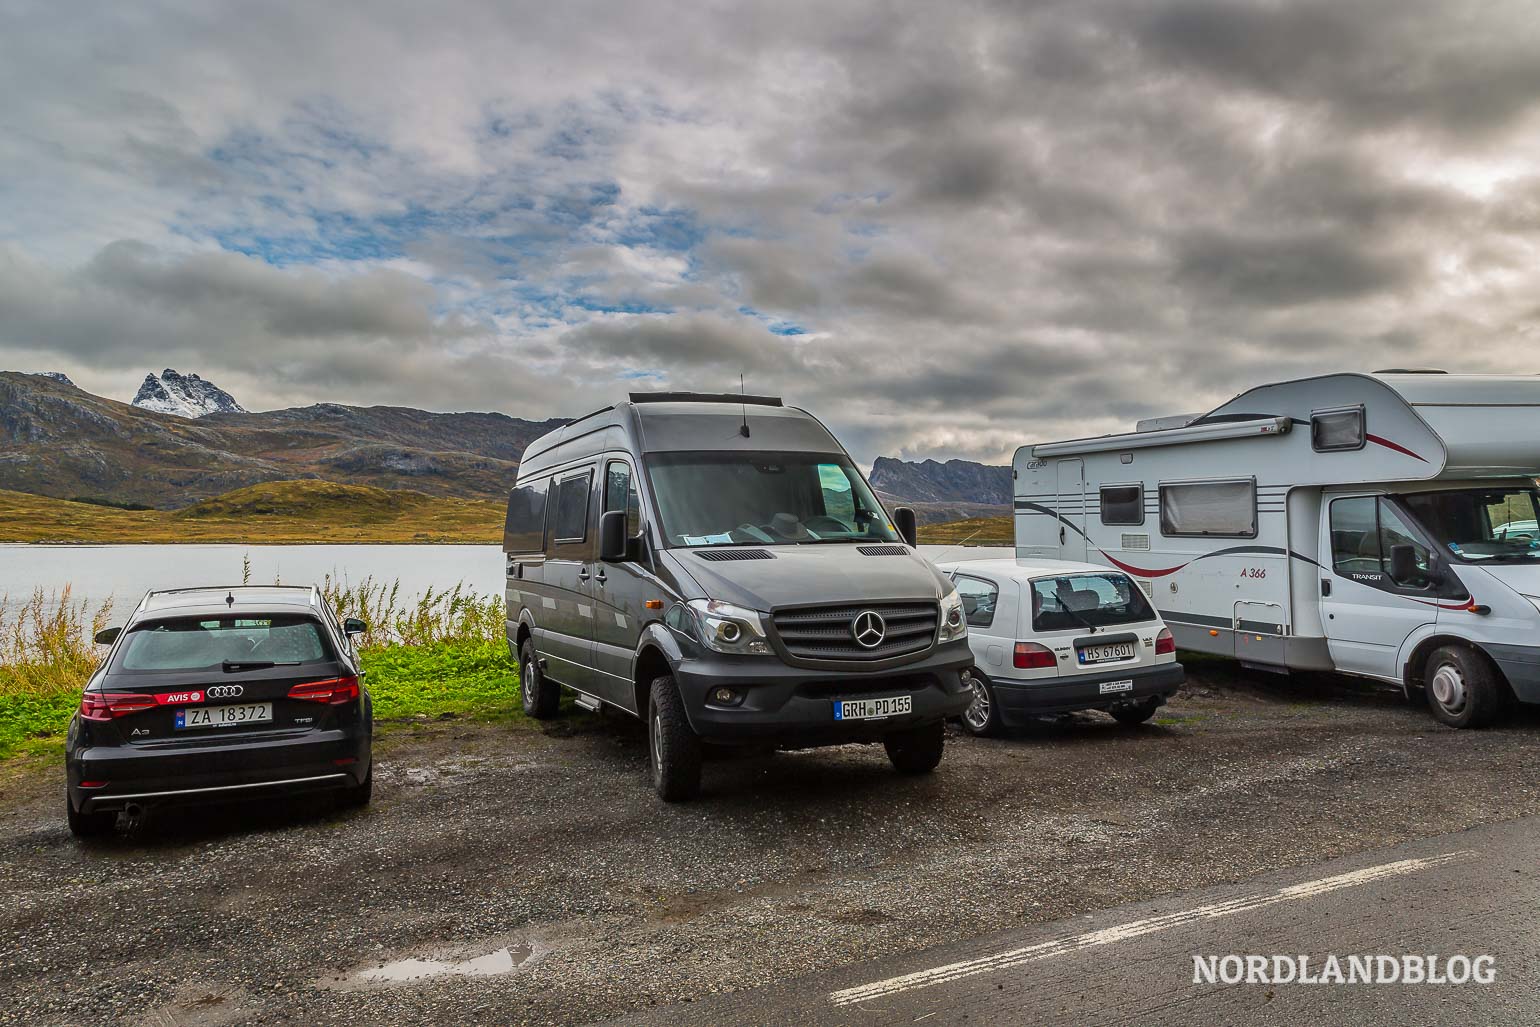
1132, 929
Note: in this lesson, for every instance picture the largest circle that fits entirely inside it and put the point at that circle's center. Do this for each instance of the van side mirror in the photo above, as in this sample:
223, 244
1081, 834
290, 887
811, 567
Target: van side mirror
107, 636
353, 626
1403, 564
612, 536
903, 520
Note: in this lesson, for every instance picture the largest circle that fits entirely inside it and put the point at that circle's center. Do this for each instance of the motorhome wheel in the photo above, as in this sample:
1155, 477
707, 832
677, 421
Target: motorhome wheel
1463, 689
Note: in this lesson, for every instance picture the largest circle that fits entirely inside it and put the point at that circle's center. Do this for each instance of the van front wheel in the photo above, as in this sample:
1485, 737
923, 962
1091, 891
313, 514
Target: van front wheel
1463, 688
541, 697
918, 750
673, 750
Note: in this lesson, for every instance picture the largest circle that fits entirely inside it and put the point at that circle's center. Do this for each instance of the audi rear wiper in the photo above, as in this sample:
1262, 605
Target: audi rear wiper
231, 666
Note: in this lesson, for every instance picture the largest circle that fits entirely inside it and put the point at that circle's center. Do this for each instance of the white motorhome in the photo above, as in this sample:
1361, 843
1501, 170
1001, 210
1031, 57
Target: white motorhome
1378, 525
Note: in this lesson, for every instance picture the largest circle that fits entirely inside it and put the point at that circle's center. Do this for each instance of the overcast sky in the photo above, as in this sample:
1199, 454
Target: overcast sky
948, 227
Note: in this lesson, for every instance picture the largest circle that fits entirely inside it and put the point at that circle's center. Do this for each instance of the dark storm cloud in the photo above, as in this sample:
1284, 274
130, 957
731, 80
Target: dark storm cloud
950, 228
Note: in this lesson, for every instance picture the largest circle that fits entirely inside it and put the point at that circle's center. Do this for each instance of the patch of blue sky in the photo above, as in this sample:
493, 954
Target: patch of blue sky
676, 230
786, 328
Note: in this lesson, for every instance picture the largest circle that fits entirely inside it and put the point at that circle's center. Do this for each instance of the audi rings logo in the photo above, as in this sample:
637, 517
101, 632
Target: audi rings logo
224, 691
868, 629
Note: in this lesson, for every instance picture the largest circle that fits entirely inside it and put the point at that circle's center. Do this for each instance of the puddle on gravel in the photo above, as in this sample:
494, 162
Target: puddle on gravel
506, 958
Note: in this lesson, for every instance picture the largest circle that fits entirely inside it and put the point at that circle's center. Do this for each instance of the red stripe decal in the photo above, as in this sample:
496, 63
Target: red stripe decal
1131, 569
1467, 606
1391, 445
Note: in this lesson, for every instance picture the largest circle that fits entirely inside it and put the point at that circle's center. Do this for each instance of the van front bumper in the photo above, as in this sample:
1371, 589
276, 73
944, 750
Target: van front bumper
793, 706
1019, 701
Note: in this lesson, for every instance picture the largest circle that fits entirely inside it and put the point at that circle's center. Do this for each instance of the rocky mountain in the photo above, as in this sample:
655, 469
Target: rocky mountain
58, 440
948, 491
184, 395
58, 376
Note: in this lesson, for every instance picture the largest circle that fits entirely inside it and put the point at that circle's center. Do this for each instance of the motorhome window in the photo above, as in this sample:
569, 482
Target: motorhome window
1337, 430
979, 599
524, 528
1219, 509
1363, 531
720, 498
1491, 524
1122, 504
620, 494
1072, 602
572, 507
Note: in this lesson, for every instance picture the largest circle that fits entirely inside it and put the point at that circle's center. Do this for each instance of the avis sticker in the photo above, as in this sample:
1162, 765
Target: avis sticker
173, 698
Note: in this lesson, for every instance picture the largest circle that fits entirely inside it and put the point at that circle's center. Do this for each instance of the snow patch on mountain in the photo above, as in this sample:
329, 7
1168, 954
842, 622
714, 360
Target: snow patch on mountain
184, 395
58, 376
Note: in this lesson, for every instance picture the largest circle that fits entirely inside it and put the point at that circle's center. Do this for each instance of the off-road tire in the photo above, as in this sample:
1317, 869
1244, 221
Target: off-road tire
917, 750
1463, 688
541, 697
985, 721
1134, 714
89, 825
673, 749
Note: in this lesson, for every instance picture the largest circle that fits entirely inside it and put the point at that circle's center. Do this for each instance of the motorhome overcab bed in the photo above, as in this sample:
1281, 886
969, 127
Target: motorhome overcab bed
1380, 525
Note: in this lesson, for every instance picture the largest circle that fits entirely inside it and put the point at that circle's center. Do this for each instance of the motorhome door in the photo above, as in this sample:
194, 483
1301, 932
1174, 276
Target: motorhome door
1071, 507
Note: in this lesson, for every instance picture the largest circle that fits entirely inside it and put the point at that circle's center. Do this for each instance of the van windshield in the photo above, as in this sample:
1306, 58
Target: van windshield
1496, 524
721, 499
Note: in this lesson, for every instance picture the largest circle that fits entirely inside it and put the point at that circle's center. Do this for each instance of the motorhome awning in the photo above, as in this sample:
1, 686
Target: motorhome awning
1210, 432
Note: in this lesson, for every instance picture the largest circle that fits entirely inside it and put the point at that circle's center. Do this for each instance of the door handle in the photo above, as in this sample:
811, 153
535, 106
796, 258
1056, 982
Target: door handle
1325, 586
601, 578
1061, 534
583, 574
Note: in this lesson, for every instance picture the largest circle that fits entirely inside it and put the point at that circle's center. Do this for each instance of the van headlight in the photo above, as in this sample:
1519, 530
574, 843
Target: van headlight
734, 630
954, 624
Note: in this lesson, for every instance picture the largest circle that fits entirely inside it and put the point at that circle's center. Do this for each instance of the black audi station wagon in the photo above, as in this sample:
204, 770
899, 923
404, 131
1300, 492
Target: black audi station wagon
717, 566
210, 694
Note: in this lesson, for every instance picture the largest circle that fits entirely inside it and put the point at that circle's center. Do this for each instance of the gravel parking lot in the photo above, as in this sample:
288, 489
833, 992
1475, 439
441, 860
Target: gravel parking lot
490, 847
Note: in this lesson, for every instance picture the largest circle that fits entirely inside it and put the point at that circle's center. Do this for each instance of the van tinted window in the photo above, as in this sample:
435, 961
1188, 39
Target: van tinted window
1122, 504
524, 528
620, 494
572, 507
1226, 509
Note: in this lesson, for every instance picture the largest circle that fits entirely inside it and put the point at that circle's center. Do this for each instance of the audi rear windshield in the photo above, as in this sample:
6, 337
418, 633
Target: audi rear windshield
216, 643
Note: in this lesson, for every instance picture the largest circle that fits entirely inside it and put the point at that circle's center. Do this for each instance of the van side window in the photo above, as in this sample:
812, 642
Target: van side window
524, 528
620, 494
1337, 430
979, 599
572, 507
1363, 530
1122, 504
838, 498
1222, 509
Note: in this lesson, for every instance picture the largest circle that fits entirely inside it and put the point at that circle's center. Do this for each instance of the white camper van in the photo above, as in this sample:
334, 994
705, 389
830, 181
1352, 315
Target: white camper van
1379, 525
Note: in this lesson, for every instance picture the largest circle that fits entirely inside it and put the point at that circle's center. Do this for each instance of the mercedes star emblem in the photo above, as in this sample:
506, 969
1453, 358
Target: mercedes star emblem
868, 629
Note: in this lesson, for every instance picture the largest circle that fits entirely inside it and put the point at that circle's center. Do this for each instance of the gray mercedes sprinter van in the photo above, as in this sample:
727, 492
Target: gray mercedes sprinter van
717, 566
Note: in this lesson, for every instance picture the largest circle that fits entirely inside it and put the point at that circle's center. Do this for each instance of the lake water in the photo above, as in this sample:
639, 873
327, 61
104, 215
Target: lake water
124, 573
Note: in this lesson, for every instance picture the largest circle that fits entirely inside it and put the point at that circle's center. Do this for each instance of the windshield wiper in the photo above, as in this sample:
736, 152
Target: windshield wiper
231, 666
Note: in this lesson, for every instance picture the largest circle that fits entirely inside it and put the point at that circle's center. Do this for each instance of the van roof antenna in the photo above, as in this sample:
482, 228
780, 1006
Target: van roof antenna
955, 546
744, 431
230, 599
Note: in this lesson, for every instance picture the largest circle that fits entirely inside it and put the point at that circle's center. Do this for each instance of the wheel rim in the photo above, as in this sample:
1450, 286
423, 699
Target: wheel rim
1449, 688
527, 675
655, 746
977, 714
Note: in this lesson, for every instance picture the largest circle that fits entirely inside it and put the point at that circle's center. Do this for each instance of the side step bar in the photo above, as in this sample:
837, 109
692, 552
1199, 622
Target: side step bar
588, 702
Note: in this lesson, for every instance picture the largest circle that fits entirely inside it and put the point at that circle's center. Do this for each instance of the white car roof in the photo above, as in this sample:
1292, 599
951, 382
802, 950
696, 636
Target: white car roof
1021, 570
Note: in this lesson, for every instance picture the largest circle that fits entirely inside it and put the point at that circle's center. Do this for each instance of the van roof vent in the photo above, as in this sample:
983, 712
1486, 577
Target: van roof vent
720, 555
882, 550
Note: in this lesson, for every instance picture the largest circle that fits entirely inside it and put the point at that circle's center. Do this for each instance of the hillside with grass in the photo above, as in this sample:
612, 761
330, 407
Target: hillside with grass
976, 531
273, 512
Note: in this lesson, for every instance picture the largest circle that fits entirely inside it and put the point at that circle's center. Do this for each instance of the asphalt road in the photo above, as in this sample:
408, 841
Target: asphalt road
1447, 902
513, 874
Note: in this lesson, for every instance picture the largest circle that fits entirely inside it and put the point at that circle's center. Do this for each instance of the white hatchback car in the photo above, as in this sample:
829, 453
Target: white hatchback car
1050, 636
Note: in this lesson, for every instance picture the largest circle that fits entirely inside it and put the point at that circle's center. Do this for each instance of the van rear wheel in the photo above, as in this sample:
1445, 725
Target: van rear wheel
541, 697
673, 750
918, 750
1463, 687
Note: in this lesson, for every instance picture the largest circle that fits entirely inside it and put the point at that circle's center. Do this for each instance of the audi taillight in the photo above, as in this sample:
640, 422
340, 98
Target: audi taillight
1165, 642
1032, 656
333, 690
106, 705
